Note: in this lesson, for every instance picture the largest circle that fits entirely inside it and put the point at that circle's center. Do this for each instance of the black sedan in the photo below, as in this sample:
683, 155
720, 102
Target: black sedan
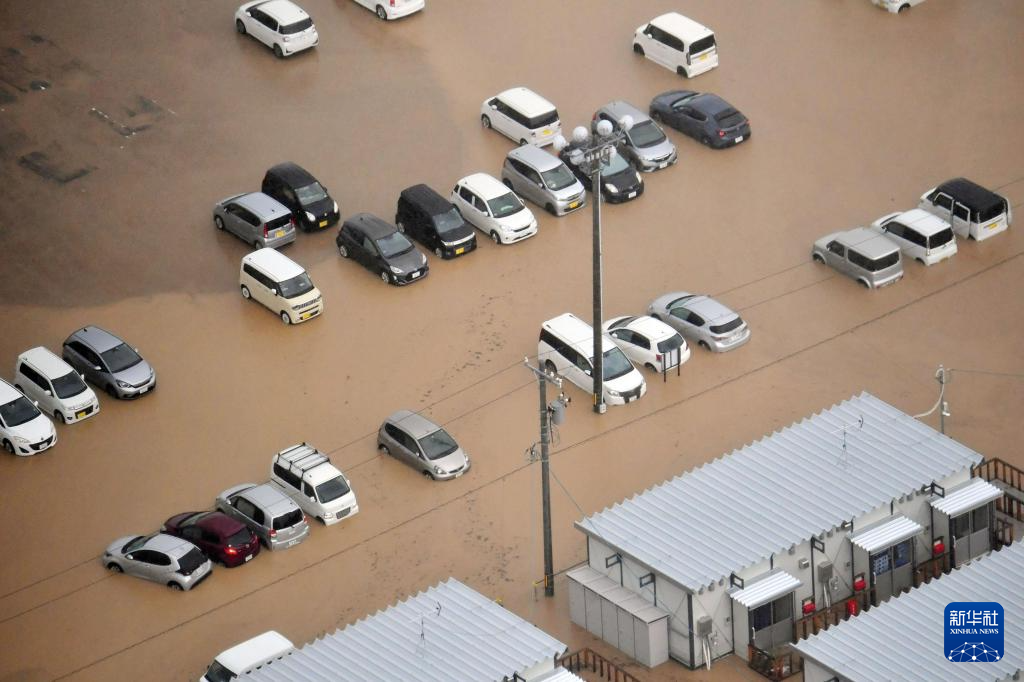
305, 197
619, 180
706, 118
381, 248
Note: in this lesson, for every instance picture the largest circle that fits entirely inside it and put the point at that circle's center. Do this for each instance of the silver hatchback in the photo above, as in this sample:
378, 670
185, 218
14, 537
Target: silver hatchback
701, 319
109, 363
270, 513
159, 557
256, 219
423, 445
534, 174
869, 257
646, 145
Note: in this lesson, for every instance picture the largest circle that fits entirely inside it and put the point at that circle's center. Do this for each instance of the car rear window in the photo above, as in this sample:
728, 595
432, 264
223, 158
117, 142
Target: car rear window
939, 238
297, 27
292, 518
727, 326
550, 118
729, 118
279, 222
996, 209
242, 537
191, 561
670, 344
218, 673
706, 43
884, 262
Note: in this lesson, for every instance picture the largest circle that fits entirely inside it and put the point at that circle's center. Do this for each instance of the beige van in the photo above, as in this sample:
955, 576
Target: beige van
275, 280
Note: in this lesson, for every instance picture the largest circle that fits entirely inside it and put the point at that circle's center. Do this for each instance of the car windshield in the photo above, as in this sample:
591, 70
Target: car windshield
292, 518
120, 358
68, 385
617, 164
646, 134
191, 561
726, 327
218, 673
670, 344
438, 444
18, 411
310, 194
296, 286
505, 205
328, 491
297, 27
395, 244
448, 221
615, 364
558, 177
242, 537
939, 238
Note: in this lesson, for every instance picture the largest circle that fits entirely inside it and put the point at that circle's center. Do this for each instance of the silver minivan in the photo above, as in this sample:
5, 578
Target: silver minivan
870, 258
423, 445
257, 219
534, 174
269, 512
645, 144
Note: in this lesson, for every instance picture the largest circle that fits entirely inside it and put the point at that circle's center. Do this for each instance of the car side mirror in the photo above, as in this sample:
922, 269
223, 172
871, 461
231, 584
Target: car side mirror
97, 368
312, 499
249, 14
589, 372
81, 375
273, 292
128, 556
36, 402
49, 393
136, 350
494, 106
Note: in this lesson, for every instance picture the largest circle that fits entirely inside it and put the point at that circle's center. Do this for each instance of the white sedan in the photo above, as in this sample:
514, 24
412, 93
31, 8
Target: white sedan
648, 342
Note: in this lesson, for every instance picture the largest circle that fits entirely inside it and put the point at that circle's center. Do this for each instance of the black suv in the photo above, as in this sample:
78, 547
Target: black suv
434, 221
382, 249
296, 188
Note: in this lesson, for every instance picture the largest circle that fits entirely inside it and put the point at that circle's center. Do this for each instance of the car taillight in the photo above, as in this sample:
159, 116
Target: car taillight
392, 3
657, 357
721, 133
292, 221
266, 230
231, 550
273, 533
305, 519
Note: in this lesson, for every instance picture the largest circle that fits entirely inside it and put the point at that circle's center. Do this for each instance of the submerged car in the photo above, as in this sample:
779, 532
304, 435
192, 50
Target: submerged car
222, 538
158, 557
620, 181
379, 247
493, 208
281, 25
109, 362
648, 342
922, 236
295, 188
534, 174
256, 219
420, 443
24, 430
705, 117
55, 386
645, 143
971, 210
268, 511
701, 319
870, 258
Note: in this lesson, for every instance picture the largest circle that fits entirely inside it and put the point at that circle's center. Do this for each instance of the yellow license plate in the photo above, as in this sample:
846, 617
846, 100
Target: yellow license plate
323, 223
79, 414
546, 132
460, 250
574, 204
992, 226
306, 316
279, 233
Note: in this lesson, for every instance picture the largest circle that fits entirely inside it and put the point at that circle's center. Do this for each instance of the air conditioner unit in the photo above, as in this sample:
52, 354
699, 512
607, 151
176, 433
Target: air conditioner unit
824, 571
704, 626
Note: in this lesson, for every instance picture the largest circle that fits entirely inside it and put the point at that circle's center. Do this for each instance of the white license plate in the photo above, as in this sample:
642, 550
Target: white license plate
323, 223
739, 138
663, 165
460, 473
415, 275
247, 558
141, 391
631, 195
279, 233
293, 542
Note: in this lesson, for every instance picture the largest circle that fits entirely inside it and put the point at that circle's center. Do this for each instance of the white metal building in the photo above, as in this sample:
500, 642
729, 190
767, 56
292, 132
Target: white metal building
729, 552
449, 633
903, 639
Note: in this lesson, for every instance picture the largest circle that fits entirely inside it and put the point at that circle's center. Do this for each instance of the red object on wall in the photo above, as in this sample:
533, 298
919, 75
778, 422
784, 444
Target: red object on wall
808, 607
939, 548
859, 584
851, 607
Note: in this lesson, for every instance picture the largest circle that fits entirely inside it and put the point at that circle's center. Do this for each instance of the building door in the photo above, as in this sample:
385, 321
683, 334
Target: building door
903, 566
970, 533
881, 575
771, 624
981, 537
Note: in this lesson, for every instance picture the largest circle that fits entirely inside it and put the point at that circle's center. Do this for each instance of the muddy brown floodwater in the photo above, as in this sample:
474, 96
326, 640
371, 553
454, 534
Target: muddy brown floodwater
122, 123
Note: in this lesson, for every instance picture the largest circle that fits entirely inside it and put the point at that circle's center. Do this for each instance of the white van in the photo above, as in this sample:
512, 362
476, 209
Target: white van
307, 476
275, 280
55, 385
523, 116
973, 211
677, 43
566, 347
920, 235
248, 656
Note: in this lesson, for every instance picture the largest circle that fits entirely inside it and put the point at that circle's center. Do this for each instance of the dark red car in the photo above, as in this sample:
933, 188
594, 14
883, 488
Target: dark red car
221, 538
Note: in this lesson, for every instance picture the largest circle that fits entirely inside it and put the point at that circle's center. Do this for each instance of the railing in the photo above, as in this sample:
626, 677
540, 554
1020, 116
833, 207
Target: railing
931, 568
997, 470
1011, 506
774, 667
833, 615
588, 659
1002, 534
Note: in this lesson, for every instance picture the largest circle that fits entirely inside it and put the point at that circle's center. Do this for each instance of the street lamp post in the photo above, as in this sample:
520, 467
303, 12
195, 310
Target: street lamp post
591, 153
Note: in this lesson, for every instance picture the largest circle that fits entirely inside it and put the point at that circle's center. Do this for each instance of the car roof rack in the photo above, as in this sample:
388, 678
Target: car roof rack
301, 458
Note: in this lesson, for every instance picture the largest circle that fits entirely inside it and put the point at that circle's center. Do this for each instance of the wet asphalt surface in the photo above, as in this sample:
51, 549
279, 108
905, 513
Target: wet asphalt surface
121, 125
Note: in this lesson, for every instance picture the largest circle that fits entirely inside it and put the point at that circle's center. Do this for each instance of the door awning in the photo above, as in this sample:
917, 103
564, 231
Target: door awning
892, 531
764, 589
966, 497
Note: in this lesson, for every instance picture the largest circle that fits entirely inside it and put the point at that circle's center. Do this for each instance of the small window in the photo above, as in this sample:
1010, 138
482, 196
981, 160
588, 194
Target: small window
287, 476
961, 526
210, 537
307, 490
979, 519
480, 205
695, 319
245, 507
942, 200
915, 237
466, 195
901, 553
369, 246
881, 562
641, 341
895, 228
35, 377
836, 248
161, 559
533, 176
393, 431
858, 259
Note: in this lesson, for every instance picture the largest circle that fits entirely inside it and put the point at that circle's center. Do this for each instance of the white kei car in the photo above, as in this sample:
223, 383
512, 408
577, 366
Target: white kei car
55, 386
24, 430
393, 9
281, 25
648, 342
493, 208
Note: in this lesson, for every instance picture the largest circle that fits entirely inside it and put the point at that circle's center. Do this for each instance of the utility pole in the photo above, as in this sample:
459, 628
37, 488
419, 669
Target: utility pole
545, 439
942, 376
599, 406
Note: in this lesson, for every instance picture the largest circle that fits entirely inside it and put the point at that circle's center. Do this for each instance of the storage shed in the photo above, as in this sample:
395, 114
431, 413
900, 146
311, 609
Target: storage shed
449, 633
735, 551
903, 639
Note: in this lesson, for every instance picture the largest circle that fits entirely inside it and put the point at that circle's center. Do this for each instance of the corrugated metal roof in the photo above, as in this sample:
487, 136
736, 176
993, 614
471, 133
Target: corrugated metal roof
622, 597
559, 675
886, 534
971, 494
904, 636
449, 633
758, 593
801, 481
